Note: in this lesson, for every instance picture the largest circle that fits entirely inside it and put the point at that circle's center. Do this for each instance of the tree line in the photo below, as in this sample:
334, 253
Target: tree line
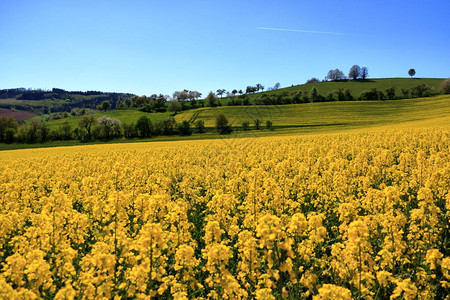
90, 128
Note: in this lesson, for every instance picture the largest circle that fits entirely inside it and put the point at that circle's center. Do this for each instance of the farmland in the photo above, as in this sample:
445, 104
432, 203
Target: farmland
331, 215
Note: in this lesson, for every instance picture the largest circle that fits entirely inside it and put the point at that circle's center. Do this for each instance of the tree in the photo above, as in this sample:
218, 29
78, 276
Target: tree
259, 86
184, 128
222, 124
109, 127
390, 93
66, 131
193, 96
445, 86
211, 100
129, 130
257, 124
314, 93
144, 127
269, 124
87, 122
411, 72
245, 126
220, 92
364, 73
105, 105
405, 93
200, 126
175, 106
6, 122
251, 89
354, 72
335, 75
276, 86
234, 92
312, 80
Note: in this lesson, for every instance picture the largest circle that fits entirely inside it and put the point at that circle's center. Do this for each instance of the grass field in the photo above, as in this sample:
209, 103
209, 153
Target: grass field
355, 86
331, 115
125, 116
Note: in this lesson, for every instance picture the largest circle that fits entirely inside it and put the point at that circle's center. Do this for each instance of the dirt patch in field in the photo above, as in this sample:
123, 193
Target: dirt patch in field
18, 115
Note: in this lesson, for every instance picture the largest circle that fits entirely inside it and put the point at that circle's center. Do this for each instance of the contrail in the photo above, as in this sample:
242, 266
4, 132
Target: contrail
304, 31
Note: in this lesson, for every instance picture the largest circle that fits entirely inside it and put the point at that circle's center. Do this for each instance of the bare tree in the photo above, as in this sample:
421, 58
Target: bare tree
364, 73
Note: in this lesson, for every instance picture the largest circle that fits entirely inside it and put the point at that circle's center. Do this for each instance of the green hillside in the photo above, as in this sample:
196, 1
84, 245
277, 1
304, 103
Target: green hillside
355, 86
329, 115
125, 116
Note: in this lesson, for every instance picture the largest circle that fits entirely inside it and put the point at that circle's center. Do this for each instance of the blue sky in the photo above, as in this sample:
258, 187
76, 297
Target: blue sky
147, 47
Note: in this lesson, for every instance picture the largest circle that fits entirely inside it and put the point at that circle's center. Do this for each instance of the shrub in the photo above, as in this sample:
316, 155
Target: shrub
445, 86
184, 128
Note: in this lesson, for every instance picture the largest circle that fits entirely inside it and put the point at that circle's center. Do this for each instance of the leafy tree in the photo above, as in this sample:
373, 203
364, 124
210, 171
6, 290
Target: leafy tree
372, 94
348, 95
211, 100
169, 126
105, 105
175, 106
313, 80
411, 72
144, 127
220, 92
314, 93
87, 122
193, 96
340, 95
259, 86
6, 122
234, 92
269, 124
364, 73
180, 96
245, 126
200, 126
251, 89
420, 91
184, 128
66, 131
109, 127
405, 93
390, 93
335, 75
445, 86
257, 124
276, 86
9, 135
354, 72
129, 130
222, 124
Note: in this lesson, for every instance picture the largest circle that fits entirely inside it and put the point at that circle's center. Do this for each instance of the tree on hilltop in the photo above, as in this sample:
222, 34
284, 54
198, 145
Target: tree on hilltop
335, 75
411, 72
354, 72
364, 73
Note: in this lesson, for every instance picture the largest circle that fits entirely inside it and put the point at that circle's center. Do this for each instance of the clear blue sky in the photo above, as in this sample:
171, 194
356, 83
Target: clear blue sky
146, 47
